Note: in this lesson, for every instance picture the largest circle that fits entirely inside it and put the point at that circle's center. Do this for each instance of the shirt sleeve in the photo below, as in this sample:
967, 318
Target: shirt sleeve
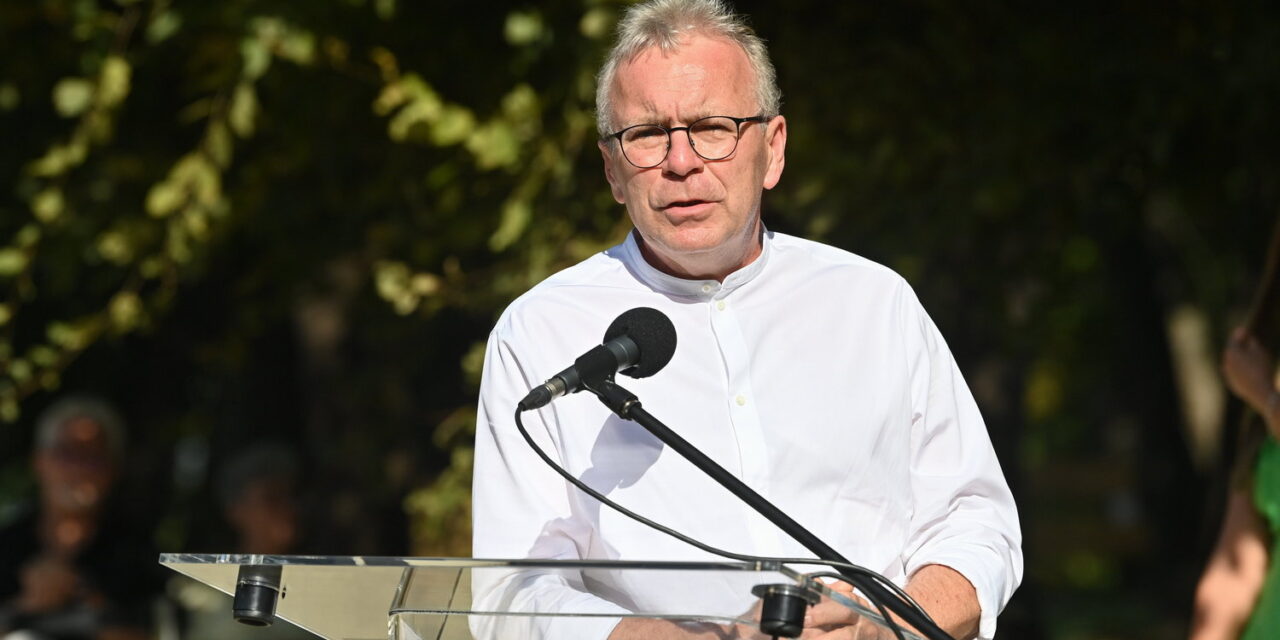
523, 509
964, 516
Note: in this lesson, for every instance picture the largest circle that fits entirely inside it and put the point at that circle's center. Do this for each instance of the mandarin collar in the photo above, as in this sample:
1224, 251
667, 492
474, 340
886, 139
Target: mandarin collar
700, 289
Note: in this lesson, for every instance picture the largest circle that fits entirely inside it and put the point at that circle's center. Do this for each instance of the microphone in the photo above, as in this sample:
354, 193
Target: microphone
639, 343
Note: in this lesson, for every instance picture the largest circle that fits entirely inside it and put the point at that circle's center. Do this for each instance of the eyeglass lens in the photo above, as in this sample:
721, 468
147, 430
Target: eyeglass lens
712, 138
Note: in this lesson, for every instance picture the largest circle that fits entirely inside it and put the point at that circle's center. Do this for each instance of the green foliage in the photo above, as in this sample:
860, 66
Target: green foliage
335, 134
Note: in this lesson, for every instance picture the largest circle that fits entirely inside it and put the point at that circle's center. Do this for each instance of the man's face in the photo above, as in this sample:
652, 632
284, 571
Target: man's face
699, 218
265, 515
77, 471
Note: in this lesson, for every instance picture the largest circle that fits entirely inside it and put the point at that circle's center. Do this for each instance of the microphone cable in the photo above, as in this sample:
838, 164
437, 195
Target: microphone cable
582, 486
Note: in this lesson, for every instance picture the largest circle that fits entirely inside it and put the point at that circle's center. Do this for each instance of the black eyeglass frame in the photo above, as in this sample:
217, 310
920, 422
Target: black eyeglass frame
617, 136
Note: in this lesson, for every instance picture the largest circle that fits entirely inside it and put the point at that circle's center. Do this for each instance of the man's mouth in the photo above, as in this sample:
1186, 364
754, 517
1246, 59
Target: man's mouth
685, 205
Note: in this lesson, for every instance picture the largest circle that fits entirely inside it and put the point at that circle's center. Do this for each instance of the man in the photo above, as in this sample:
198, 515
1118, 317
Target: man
258, 491
68, 569
812, 374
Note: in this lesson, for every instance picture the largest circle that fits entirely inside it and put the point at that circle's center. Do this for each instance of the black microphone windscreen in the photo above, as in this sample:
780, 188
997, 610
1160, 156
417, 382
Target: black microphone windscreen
652, 332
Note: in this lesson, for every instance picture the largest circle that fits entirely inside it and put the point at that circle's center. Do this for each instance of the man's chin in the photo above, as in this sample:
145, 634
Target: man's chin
690, 249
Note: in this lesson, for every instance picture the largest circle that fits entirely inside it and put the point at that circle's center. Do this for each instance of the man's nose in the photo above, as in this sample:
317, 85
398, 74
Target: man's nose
681, 158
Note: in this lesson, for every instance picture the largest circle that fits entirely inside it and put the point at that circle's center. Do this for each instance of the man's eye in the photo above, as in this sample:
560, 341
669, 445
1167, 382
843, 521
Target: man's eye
648, 132
712, 128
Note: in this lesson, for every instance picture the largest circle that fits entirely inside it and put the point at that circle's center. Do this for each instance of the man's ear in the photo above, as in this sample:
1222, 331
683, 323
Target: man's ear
775, 146
610, 172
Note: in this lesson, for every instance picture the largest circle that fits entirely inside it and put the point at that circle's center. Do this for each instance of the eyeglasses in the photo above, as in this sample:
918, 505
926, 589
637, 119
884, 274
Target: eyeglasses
712, 138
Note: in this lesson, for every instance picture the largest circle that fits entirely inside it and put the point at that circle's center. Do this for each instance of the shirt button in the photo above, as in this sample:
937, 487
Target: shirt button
741, 400
706, 288
720, 305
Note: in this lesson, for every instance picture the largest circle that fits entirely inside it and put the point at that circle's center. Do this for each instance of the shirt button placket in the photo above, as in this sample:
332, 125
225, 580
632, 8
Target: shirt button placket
745, 421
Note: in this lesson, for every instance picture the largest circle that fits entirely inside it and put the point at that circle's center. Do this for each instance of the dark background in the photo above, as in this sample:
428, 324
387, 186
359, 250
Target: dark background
298, 221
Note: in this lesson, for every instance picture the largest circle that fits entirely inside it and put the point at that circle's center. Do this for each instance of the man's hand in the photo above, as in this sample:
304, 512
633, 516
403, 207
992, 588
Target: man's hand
831, 620
945, 594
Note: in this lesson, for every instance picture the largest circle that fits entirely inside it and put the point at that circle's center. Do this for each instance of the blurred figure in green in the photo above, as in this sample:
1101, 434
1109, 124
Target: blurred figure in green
71, 568
258, 491
1239, 593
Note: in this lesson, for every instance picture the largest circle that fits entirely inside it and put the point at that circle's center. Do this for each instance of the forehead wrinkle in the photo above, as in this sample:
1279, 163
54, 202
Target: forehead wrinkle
649, 113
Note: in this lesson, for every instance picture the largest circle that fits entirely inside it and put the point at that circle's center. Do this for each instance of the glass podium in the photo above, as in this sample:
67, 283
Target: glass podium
375, 598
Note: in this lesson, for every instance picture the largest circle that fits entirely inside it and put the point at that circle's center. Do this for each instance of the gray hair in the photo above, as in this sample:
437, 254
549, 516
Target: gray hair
50, 423
663, 24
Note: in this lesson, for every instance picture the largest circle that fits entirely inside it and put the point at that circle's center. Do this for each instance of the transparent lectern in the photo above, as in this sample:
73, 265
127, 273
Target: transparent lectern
375, 598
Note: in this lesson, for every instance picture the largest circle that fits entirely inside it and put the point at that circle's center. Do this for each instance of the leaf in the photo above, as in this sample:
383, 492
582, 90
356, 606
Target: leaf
416, 87
218, 143
595, 24
201, 178
298, 45
152, 267
113, 83
391, 279
6, 314
523, 27
405, 304
42, 355
453, 126
12, 261
386, 61
196, 223
69, 336
1044, 392
164, 198
515, 218
163, 26
419, 113
54, 162
392, 95
48, 205
424, 284
27, 236
337, 50
494, 145
114, 247
71, 96
125, 310
255, 57
386, 9
9, 411
19, 370
521, 103
244, 109
10, 97
177, 244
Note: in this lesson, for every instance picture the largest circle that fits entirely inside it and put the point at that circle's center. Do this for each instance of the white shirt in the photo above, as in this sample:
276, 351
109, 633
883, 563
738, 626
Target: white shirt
811, 374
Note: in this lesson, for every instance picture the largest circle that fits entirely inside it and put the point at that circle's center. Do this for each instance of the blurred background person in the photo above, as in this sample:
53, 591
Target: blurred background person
1239, 593
258, 489
71, 567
